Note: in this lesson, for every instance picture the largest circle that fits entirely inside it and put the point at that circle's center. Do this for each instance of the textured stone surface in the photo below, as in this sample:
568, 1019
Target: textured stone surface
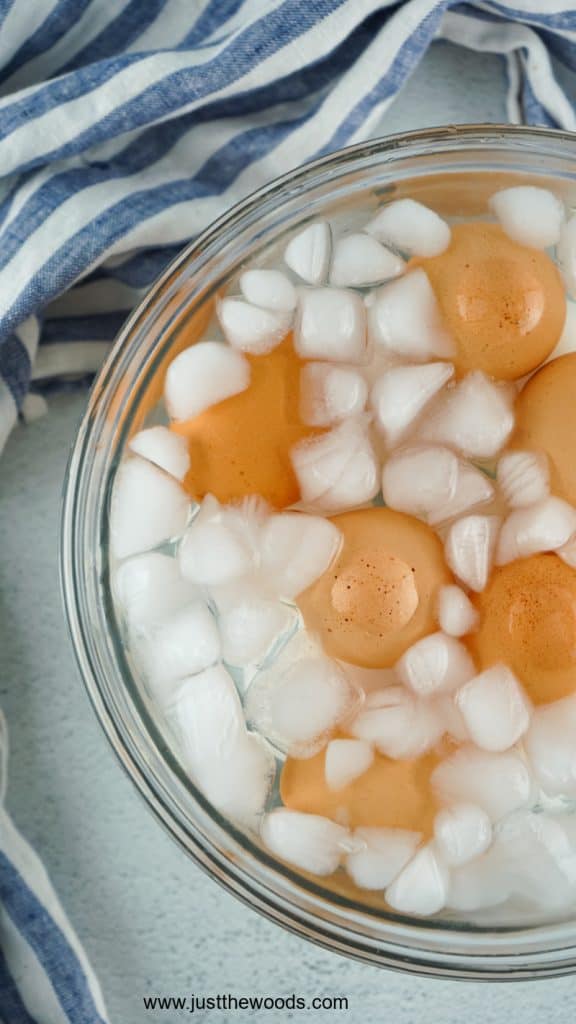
152, 921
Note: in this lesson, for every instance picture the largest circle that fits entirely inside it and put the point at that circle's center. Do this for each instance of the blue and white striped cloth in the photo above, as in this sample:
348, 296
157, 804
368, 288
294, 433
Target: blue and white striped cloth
125, 127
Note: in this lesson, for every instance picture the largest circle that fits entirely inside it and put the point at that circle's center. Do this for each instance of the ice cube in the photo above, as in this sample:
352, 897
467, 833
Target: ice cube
329, 394
422, 886
419, 480
270, 289
495, 708
473, 488
546, 526
233, 768
436, 663
385, 852
250, 328
551, 746
212, 553
149, 588
239, 784
359, 260
299, 704
148, 507
523, 478
567, 255
245, 518
476, 417
451, 717
250, 624
358, 484
411, 227
204, 375
331, 325
457, 615
308, 841
470, 547
478, 885
405, 319
462, 832
538, 859
296, 549
345, 760
336, 470
398, 724
308, 253
370, 679
208, 718
499, 783
402, 392
164, 448
568, 552
529, 215
183, 644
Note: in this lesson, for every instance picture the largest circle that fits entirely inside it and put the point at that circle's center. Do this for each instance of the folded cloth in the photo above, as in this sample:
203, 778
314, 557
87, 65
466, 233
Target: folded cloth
128, 125
45, 977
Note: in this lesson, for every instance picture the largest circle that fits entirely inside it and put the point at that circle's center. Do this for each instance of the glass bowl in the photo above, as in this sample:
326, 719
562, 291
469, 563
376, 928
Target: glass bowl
454, 169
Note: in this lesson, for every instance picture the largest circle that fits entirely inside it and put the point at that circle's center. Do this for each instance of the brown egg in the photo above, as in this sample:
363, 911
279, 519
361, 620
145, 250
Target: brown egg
378, 597
393, 794
546, 421
242, 445
528, 620
503, 303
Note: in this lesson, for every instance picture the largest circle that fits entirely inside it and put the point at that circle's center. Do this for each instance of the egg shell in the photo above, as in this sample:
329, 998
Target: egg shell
379, 595
502, 303
528, 621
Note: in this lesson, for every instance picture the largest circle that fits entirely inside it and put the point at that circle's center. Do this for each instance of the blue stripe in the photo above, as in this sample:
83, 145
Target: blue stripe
158, 141
533, 112
50, 945
264, 38
53, 94
5, 6
100, 327
120, 33
213, 17
408, 55
15, 366
563, 21
562, 49
11, 1005
140, 270
61, 18
88, 245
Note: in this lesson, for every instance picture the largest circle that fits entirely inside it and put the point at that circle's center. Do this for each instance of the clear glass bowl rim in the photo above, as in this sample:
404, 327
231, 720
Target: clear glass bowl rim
420, 947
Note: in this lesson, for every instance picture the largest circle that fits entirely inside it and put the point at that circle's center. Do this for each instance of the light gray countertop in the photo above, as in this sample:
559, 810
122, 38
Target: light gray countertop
151, 921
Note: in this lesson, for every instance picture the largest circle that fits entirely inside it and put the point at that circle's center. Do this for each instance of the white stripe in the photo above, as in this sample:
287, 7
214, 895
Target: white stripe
78, 210
169, 28
4, 749
34, 407
35, 140
69, 359
29, 334
8, 413
95, 18
506, 39
184, 220
103, 296
17, 29
34, 874
544, 85
29, 976
540, 6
